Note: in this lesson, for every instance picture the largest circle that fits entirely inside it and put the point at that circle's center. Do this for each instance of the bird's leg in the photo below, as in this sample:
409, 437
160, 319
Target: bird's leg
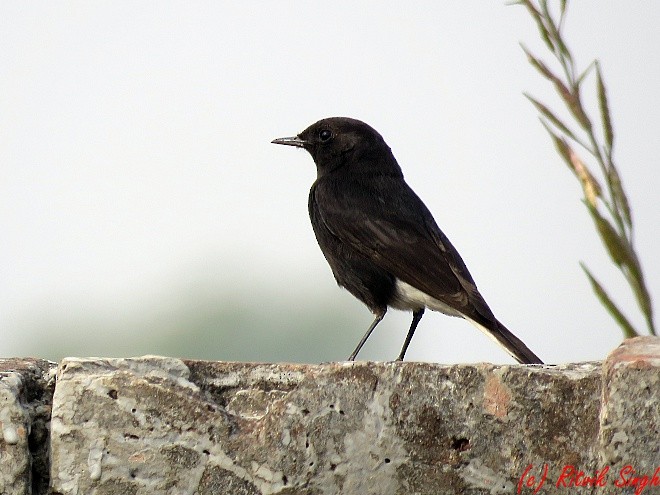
417, 315
379, 316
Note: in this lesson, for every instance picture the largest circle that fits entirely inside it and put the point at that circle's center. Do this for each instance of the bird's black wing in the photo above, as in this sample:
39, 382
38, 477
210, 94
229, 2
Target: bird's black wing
384, 219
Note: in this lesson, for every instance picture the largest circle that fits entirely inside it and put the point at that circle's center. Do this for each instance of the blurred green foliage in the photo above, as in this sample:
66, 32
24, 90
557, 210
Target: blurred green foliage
242, 327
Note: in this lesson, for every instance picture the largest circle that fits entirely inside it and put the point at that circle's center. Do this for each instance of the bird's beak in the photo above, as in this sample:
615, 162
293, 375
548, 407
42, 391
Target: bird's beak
290, 141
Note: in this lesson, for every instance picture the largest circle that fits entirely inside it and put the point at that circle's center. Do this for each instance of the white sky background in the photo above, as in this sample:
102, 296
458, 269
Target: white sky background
135, 159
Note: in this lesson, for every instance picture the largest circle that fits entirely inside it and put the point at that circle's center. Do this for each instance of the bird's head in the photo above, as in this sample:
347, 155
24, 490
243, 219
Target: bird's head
339, 142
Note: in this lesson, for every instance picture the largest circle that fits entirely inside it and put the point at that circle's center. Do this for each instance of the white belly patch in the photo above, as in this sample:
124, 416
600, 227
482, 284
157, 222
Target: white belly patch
409, 298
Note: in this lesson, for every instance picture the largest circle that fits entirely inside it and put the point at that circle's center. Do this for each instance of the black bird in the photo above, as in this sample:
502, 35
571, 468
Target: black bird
379, 238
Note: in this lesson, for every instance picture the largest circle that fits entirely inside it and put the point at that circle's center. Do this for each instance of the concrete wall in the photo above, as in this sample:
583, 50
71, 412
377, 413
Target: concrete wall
156, 425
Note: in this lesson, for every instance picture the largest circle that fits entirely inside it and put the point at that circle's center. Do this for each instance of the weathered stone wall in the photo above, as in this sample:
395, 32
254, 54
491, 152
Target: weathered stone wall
155, 425
26, 396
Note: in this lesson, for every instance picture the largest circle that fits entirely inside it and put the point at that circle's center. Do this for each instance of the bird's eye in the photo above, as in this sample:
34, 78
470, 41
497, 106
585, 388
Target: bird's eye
325, 135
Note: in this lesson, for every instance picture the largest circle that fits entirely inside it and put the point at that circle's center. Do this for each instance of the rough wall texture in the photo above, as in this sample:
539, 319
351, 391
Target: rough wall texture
156, 425
26, 393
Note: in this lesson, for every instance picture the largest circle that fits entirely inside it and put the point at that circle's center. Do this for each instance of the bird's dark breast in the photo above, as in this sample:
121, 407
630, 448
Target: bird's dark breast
352, 270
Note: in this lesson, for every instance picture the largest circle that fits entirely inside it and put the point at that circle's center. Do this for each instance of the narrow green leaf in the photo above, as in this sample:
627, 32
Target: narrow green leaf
590, 185
650, 325
584, 74
616, 247
540, 66
538, 18
554, 32
628, 330
622, 253
573, 103
604, 110
570, 98
619, 195
563, 48
545, 111
560, 144
635, 277
641, 293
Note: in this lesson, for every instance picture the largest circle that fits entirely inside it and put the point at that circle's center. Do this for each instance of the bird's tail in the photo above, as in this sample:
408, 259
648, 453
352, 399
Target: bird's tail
511, 344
